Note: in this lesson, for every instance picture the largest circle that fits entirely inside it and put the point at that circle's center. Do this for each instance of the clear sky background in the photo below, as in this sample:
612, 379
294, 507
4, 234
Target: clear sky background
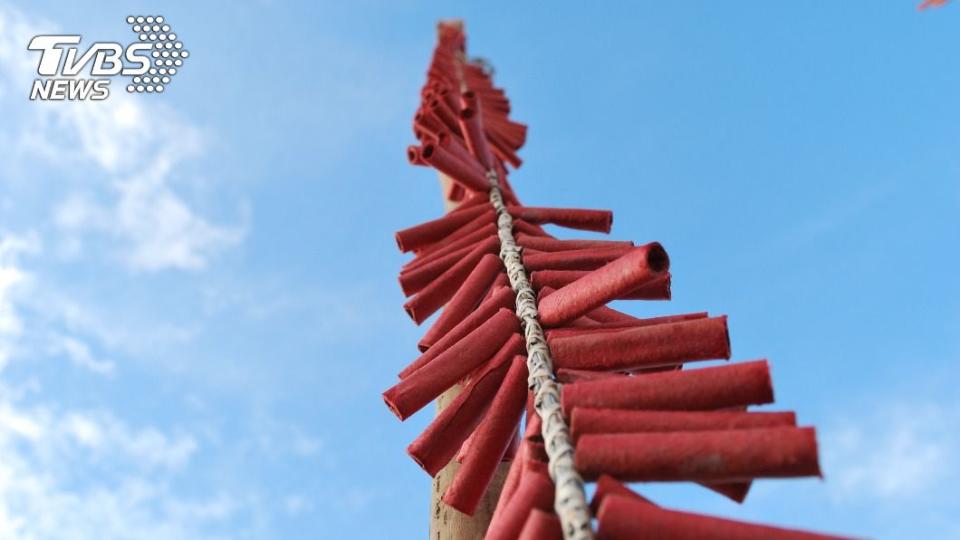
198, 304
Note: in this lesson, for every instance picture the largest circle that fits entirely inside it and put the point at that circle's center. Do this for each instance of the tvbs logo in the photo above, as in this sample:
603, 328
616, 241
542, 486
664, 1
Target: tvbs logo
151, 62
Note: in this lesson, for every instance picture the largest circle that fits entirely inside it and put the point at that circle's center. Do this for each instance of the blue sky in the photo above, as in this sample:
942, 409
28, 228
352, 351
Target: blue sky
198, 304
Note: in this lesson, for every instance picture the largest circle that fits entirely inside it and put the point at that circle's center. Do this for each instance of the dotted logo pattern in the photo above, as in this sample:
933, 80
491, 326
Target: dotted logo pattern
168, 53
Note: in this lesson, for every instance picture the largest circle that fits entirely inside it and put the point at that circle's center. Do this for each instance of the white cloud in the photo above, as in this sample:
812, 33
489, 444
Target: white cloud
42, 451
95, 436
355, 499
137, 148
133, 148
80, 355
904, 452
296, 505
127, 471
11, 277
86, 473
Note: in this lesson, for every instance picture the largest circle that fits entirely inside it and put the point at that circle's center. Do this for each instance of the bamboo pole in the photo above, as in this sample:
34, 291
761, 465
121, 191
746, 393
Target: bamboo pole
447, 523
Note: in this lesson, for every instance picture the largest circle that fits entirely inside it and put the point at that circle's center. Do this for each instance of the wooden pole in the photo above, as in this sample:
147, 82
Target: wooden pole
447, 523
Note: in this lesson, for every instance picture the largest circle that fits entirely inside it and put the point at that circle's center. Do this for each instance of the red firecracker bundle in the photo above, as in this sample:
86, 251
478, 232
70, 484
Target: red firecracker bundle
632, 409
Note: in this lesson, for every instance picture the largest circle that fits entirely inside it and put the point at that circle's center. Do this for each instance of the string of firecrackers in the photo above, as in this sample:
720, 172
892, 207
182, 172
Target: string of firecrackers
626, 406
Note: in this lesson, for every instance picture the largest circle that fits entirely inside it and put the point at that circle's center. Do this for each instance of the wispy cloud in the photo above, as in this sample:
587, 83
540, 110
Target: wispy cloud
11, 277
44, 452
44, 449
129, 149
156, 225
903, 452
79, 354
86, 472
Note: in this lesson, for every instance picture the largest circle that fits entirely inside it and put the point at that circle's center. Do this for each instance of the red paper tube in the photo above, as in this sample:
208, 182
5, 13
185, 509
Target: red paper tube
633, 322
497, 104
713, 456
464, 301
582, 322
413, 155
424, 127
485, 231
424, 119
432, 231
645, 346
541, 525
552, 244
512, 480
620, 326
516, 129
468, 174
440, 290
534, 428
424, 385
453, 144
573, 218
506, 140
508, 454
423, 132
535, 491
578, 259
513, 133
513, 447
472, 127
487, 217
502, 148
525, 455
505, 131
432, 118
584, 421
450, 98
456, 192
589, 421
490, 441
500, 120
474, 199
421, 135
538, 452
500, 281
608, 486
495, 100
503, 299
415, 279
735, 491
657, 369
468, 100
621, 518
416, 276
567, 376
522, 227
501, 133
509, 196
744, 383
438, 444
480, 84
607, 315
627, 273
494, 111
655, 289
505, 143
445, 115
